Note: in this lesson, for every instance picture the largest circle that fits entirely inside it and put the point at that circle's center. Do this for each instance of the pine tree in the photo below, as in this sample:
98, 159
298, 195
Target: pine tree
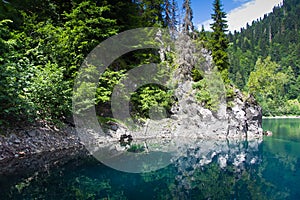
202, 34
168, 10
219, 40
174, 21
152, 12
188, 17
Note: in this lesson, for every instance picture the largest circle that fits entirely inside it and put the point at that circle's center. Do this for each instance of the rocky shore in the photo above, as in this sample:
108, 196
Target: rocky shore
42, 147
38, 149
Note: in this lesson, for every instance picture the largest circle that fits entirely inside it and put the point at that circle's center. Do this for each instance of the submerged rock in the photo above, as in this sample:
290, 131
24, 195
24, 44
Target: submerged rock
267, 133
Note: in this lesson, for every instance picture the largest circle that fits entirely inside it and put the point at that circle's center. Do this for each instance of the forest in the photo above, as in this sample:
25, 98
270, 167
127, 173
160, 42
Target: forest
43, 44
264, 59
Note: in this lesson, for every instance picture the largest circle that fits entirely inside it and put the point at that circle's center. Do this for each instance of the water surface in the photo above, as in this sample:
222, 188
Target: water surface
268, 169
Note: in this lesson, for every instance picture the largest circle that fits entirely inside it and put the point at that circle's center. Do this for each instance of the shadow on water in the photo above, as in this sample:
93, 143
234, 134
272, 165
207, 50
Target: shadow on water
220, 169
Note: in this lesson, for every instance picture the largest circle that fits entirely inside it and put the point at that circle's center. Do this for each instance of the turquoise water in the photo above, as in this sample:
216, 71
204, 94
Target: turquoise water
268, 170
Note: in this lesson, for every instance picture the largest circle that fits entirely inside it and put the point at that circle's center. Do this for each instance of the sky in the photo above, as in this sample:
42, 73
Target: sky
239, 12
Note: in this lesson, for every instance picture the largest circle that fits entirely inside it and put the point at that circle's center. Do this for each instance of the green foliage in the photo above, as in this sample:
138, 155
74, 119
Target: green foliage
43, 44
48, 92
267, 83
151, 12
211, 90
136, 148
205, 97
40, 59
12, 101
292, 107
197, 74
84, 94
151, 97
108, 80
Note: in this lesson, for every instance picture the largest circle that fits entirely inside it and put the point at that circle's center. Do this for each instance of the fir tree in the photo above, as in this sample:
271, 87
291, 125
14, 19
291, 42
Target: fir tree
174, 21
219, 40
168, 10
152, 12
188, 17
202, 34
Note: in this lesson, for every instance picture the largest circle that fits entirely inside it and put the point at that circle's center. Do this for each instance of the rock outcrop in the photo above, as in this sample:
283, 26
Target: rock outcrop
241, 117
245, 117
243, 120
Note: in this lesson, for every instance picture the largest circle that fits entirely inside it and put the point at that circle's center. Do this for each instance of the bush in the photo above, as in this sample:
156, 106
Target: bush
149, 97
292, 107
210, 91
48, 93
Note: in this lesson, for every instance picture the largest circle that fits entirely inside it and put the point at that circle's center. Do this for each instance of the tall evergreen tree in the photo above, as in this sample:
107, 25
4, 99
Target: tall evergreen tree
152, 12
219, 40
168, 13
174, 21
170, 9
188, 17
202, 34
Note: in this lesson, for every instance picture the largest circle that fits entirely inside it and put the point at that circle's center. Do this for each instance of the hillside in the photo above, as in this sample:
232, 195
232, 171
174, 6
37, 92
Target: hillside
264, 59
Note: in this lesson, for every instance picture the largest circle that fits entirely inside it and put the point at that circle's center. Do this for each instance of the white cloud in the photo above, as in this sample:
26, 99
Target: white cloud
239, 17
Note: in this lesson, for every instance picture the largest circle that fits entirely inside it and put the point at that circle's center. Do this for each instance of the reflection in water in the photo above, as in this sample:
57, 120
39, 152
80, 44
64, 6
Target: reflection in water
222, 169
223, 156
287, 129
197, 167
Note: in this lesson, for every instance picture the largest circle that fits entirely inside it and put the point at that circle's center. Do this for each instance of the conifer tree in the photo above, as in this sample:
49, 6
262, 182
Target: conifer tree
219, 40
170, 14
168, 10
174, 10
202, 34
151, 12
188, 17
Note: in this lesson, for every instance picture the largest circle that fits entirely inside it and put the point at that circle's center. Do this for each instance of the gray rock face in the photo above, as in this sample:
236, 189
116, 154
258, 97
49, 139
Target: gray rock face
245, 117
189, 119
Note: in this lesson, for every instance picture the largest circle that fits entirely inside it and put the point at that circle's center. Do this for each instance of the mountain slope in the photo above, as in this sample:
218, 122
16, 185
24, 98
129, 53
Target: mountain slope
276, 36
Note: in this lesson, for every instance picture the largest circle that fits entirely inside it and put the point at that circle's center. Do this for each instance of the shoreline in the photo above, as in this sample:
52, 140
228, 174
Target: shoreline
281, 117
38, 148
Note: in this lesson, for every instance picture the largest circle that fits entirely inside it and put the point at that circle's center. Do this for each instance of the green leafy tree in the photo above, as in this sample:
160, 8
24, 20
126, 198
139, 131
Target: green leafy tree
40, 59
266, 82
9, 75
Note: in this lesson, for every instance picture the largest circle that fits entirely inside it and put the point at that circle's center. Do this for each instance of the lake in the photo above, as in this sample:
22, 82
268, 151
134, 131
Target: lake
268, 169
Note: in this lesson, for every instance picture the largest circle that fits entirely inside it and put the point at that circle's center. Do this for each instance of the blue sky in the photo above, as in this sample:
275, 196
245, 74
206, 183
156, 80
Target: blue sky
239, 12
